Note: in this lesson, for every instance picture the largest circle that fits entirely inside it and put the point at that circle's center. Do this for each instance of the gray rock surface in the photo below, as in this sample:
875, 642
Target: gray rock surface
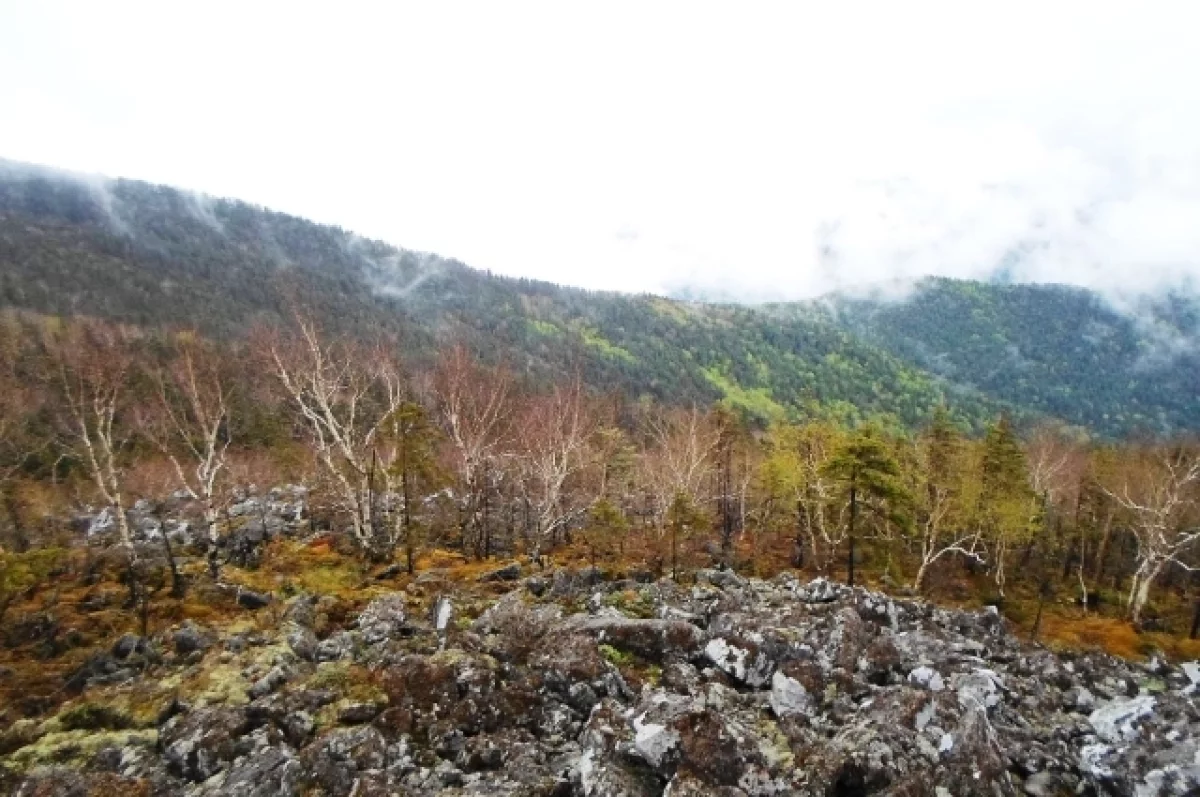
733, 686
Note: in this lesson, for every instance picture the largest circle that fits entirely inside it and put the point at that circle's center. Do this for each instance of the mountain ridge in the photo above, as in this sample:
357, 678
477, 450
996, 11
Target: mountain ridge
222, 265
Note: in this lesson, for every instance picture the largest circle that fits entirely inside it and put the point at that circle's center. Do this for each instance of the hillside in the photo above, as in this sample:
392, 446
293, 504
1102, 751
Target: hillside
153, 255
1051, 349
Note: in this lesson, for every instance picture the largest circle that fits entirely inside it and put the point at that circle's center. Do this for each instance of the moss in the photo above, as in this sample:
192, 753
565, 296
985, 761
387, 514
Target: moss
223, 683
333, 675
633, 603
774, 746
77, 746
616, 657
93, 717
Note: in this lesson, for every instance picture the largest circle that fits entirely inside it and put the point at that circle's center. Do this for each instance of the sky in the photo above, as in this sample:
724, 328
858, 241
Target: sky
743, 150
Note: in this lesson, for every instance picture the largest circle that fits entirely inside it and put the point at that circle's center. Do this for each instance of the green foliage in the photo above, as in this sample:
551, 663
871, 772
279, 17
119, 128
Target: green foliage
869, 474
22, 571
617, 658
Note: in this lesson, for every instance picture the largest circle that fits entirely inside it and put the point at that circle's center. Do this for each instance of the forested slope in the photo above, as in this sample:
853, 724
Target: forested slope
1052, 349
153, 255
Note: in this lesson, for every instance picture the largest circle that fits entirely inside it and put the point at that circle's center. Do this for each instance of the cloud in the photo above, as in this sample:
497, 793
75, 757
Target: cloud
772, 152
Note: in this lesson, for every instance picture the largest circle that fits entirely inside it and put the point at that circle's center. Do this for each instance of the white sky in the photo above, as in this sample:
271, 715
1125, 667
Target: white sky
766, 151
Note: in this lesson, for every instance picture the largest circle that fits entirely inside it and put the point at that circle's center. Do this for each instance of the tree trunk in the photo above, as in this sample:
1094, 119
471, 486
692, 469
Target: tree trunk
853, 519
214, 562
1037, 620
178, 587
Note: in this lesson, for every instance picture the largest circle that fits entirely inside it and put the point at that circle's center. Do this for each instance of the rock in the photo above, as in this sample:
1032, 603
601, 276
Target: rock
190, 638
127, 645
358, 713
537, 586
1115, 721
264, 686
390, 572
741, 660
510, 572
264, 774
788, 696
248, 599
926, 678
384, 618
338, 646
656, 744
302, 641
1192, 670
652, 640
201, 743
819, 590
333, 762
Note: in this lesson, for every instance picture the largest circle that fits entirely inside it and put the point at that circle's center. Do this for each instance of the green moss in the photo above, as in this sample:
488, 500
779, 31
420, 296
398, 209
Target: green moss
77, 746
616, 657
632, 603
93, 717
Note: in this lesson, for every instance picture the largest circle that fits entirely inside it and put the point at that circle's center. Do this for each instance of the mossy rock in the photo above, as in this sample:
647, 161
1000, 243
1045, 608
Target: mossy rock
93, 717
78, 746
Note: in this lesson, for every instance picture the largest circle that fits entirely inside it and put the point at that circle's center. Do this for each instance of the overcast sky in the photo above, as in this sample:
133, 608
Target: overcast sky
761, 150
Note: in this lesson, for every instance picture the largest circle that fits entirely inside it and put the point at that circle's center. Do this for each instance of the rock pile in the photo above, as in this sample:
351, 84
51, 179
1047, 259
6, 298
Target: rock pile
730, 686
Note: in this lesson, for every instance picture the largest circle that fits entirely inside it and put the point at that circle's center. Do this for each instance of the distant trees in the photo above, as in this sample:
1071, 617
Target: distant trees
556, 428
472, 402
463, 454
1005, 507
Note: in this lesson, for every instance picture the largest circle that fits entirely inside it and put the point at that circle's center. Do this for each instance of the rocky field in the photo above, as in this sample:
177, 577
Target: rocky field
563, 683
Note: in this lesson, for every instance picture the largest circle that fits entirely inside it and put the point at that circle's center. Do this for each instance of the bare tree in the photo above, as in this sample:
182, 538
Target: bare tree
677, 457
189, 424
555, 431
92, 362
474, 406
344, 395
21, 401
1159, 496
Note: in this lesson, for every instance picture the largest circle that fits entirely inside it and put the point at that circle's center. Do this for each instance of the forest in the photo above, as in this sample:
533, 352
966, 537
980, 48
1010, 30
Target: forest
1080, 542
148, 255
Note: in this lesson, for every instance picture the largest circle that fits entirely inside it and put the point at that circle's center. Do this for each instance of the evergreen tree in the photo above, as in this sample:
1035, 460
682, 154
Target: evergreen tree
869, 475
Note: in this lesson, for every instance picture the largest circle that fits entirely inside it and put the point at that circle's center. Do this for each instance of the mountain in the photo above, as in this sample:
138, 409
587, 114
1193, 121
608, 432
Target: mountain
147, 254
1049, 349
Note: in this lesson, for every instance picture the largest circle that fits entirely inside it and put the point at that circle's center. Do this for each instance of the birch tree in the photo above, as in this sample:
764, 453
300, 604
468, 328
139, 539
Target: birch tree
942, 525
474, 405
189, 424
554, 438
92, 363
1160, 497
344, 395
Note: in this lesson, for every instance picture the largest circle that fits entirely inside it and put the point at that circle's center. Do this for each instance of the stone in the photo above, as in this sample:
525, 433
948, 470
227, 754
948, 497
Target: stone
926, 678
743, 661
1116, 721
190, 638
384, 618
248, 599
510, 572
788, 696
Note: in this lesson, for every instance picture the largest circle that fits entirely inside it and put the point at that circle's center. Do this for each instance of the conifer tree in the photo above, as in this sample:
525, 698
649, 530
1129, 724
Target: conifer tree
869, 475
